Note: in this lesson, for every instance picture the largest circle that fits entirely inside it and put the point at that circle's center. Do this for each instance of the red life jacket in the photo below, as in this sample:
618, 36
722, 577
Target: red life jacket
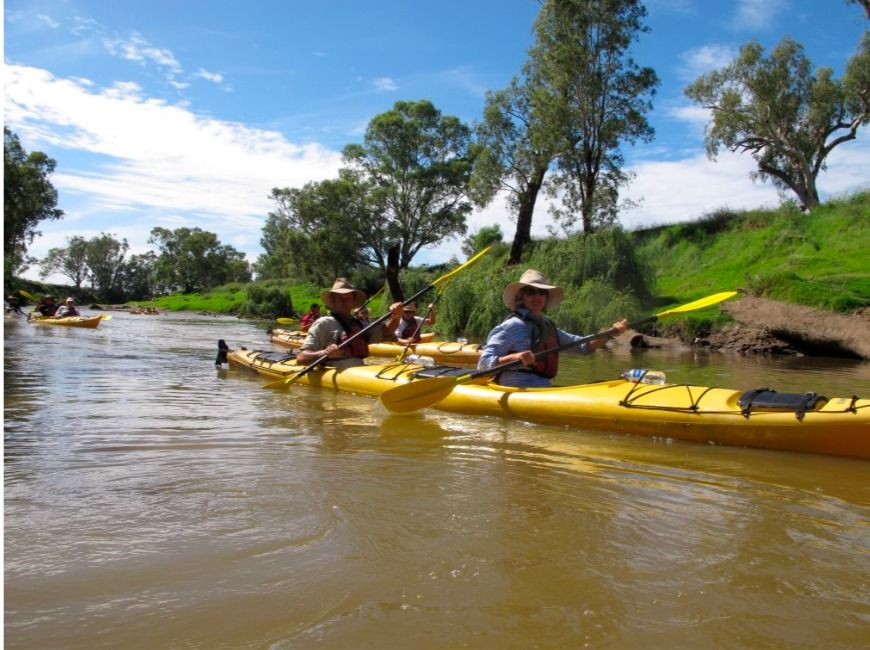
544, 335
359, 347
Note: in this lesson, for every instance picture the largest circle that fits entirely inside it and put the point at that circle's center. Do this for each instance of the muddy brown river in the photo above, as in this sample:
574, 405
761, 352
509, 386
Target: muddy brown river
152, 501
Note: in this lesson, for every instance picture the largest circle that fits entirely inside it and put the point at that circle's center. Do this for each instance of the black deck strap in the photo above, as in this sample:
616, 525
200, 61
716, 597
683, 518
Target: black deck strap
770, 399
272, 358
441, 371
852, 408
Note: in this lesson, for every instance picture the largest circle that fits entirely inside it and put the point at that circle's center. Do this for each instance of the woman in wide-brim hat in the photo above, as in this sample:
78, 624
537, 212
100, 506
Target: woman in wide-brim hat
340, 338
527, 331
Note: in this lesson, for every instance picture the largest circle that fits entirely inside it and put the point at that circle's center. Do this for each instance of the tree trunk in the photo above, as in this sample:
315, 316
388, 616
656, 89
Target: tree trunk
393, 273
527, 202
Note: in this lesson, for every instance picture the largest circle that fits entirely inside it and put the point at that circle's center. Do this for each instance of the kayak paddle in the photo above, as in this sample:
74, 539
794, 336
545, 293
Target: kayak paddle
444, 278
287, 321
28, 295
419, 394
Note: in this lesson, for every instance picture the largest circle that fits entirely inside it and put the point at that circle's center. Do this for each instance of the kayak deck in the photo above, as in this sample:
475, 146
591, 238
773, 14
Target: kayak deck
70, 321
440, 351
838, 426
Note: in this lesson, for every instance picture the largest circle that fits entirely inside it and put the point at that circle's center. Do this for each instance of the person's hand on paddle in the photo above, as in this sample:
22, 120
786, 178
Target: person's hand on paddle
332, 351
618, 328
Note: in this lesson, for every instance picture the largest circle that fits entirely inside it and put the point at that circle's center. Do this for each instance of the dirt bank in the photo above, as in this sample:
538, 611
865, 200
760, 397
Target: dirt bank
770, 327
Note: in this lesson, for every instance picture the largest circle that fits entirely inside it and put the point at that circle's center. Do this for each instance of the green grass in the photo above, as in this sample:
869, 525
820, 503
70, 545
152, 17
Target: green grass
817, 259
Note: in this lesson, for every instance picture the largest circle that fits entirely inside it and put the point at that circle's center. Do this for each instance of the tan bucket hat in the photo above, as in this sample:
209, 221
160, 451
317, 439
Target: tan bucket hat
341, 285
532, 278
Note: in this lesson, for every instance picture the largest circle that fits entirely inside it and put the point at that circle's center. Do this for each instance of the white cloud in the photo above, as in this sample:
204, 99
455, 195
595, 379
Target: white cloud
48, 20
154, 161
757, 14
704, 59
136, 48
216, 77
384, 84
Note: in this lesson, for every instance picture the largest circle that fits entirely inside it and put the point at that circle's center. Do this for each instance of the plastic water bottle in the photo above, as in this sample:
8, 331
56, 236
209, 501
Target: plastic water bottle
462, 340
421, 360
644, 376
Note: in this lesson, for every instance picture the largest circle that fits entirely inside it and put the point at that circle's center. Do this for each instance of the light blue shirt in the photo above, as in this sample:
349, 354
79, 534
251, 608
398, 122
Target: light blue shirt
515, 335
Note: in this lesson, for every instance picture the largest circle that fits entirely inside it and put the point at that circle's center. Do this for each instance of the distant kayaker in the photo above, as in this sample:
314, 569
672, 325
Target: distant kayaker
47, 306
67, 309
528, 331
329, 332
362, 315
410, 326
309, 317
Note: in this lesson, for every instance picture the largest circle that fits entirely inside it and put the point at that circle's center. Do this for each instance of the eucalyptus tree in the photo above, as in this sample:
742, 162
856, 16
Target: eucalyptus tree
415, 165
517, 145
317, 232
598, 99
105, 260
192, 259
70, 262
788, 117
28, 198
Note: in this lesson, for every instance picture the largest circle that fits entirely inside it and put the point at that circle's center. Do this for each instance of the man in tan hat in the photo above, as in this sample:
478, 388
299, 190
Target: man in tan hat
327, 334
411, 325
528, 331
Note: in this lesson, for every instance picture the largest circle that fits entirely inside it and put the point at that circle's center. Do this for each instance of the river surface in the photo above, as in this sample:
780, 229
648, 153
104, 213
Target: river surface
152, 501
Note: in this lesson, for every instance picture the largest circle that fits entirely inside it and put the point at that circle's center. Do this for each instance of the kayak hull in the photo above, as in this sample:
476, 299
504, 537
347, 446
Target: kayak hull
840, 427
440, 351
89, 322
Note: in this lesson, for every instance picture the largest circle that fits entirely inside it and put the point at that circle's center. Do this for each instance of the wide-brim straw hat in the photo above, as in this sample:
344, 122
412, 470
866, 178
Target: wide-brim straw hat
532, 278
341, 285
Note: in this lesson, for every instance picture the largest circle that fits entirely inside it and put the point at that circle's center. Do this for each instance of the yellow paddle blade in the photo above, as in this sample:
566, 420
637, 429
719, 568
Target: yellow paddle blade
459, 268
287, 321
105, 316
28, 295
715, 299
419, 394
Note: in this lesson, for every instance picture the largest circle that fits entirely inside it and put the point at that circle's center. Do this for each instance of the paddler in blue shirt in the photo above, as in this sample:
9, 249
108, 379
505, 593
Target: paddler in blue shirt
528, 331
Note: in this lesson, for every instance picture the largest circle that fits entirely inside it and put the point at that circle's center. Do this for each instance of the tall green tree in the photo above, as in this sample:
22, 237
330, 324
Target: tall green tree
105, 259
598, 99
318, 231
415, 164
71, 262
192, 259
138, 277
28, 198
517, 145
786, 116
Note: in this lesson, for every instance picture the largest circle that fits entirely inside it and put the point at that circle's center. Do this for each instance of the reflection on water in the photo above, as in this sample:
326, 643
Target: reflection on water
152, 501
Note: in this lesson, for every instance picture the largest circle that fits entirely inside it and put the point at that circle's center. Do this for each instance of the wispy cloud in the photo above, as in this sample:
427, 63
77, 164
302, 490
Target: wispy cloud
757, 14
136, 48
48, 21
216, 77
384, 84
704, 59
154, 159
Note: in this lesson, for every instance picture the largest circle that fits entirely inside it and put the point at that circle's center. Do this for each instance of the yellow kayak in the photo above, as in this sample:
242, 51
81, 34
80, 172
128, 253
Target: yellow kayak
70, 321
440, 351
838, 426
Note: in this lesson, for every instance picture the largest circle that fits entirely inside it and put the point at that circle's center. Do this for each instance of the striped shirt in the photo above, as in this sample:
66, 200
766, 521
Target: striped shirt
515, 335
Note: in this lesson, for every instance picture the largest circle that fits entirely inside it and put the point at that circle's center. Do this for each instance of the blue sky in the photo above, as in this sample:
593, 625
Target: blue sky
187, 113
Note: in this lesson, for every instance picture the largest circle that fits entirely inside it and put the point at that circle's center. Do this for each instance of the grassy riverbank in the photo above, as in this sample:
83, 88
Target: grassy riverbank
816, 259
